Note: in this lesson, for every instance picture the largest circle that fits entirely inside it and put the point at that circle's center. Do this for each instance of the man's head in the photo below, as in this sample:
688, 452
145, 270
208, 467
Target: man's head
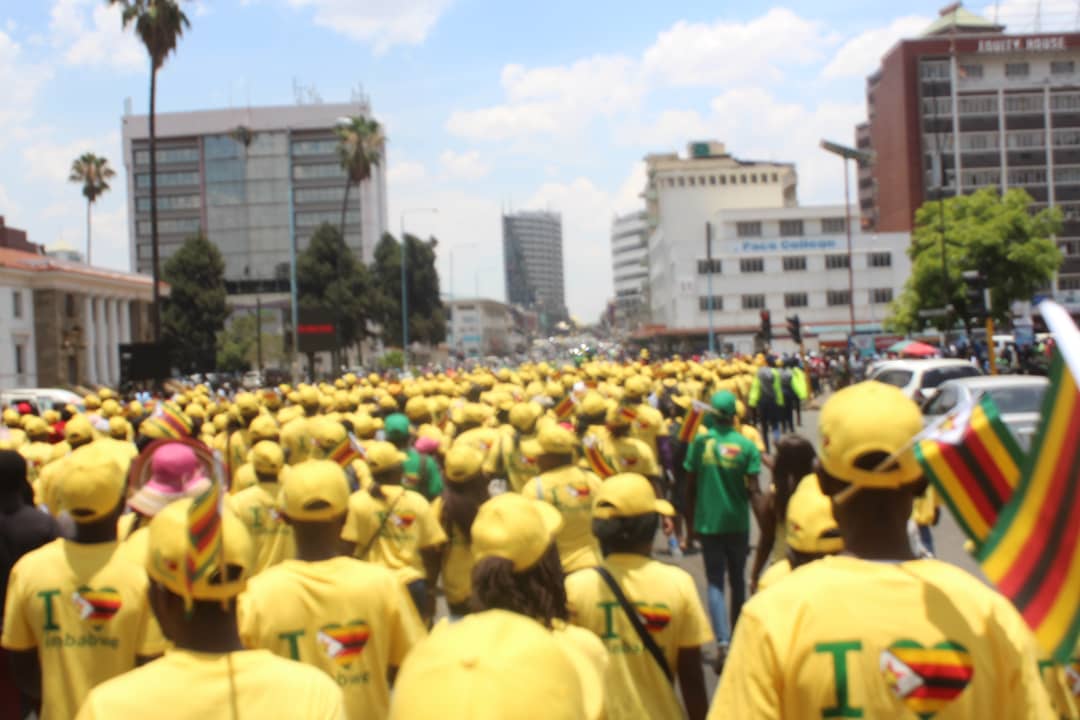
385, 462
13, 483
92, 489
78, 431
314, 500
810, 527
618, 420
267, 459
553, 447
626, 514
725, 407
397, 429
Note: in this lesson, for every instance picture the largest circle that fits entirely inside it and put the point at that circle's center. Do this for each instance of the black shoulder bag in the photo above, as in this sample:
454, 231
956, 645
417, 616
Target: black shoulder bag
635, 620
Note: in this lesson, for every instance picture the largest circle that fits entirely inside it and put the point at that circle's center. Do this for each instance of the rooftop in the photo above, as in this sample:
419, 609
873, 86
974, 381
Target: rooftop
30, 262
956, 18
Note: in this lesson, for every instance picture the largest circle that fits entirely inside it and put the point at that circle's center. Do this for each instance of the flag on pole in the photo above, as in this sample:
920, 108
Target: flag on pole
596, 459
347, 450
974, 462
565, 407
1033, 553
628, 413
695, 414
204, 536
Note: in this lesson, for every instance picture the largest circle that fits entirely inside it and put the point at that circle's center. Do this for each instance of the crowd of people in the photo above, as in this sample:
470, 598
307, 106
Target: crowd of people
282, 553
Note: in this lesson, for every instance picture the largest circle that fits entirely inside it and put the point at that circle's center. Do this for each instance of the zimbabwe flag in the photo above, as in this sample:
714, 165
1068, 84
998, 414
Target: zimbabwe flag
596, 459
204, 537
1033, 553
974, 462
347, 450
690, 424
565, 407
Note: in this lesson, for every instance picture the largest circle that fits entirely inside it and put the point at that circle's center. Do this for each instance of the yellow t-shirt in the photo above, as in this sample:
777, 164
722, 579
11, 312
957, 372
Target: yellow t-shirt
648, 424
631, 455
351, 619
249, 683
270, 534
571, 491
592, 661
671, 609
85, 609
1063, 685
457, 561
236, 450
408, 529
843, 637
752, 434
519, 468
296, 440
243, 478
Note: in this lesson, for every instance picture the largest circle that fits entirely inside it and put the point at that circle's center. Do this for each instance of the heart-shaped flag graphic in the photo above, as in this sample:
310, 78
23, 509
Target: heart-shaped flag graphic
656, 617
926, 679
96, 606
344, 643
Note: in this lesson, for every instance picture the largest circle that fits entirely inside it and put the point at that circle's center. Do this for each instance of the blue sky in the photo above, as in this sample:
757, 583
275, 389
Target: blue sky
487, 105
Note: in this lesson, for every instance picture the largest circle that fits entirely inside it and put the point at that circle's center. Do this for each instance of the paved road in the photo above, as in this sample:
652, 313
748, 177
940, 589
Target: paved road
948, 538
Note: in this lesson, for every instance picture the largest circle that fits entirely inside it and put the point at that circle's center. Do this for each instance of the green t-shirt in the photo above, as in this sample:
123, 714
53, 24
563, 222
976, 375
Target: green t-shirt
422, 474
722, 460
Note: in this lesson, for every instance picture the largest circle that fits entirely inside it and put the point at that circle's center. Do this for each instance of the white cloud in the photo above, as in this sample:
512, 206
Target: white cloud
21, 81
405, 173
1020, 16
671, 129
90, 33
628, 198
861, 55
695, 54
464, 166
50, 161
8, 208
382, 23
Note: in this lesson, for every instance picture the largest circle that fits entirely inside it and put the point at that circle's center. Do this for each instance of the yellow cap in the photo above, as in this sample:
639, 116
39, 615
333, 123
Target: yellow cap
79, 430
472, 414
383, 456
92, 402
314, 490
515, 528
169, 542
463, 463
12, 417
554, 439
417, 409
119, 428
811, 527
870, 417
592, 405
472, 669
110, 408
618, 416
628, 495
267, 457
524, 415
35, 427
92, 485
264, 427
246, 403
309, 396
326, 434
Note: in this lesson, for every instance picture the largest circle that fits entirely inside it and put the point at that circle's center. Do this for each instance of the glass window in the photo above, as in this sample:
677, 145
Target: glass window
1024, 103
1067, 175
896, 378
794, 263
752, 265
833, 225
717, 302
693, 181
169, 202
167, 156
20, 366
795, 300
1027, 176
979, 105
1062, 67
222, 146
972, 71
167, 179
16, 303
707, 267
1025, 139
748, 229
934, 69
326, 146
879, 260
837, 297
791, 228
881, 296
1018, 399
69, 305
836, 262
937, 105
1069, 283
1066, 138
324, 170
1065, 101
933, 378
753, 302
318, 217
943, 402
1016, 69
171, 225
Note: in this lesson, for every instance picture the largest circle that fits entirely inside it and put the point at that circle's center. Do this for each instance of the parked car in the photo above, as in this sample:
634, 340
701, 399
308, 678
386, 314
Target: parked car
917, 378
253, 380
41, 399
1018, 399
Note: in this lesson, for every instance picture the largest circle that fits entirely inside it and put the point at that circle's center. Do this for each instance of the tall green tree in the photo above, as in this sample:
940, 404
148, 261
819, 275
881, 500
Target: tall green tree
360, 148
93, 172
997, 235
159, 25
195, 312
427, 315
330, 279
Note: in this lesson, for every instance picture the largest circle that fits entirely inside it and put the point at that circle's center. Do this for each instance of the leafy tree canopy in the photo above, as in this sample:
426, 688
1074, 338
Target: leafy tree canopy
195, 311
427, 316
331, 279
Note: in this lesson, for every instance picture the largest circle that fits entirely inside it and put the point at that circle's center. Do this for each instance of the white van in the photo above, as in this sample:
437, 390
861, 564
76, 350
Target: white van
41, 399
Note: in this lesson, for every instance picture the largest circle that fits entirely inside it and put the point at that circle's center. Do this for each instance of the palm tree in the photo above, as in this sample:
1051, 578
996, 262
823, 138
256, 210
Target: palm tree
159, 25
94, 173
360, 149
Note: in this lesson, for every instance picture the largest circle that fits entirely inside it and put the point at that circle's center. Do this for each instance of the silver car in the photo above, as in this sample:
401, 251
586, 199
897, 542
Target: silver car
1018, 398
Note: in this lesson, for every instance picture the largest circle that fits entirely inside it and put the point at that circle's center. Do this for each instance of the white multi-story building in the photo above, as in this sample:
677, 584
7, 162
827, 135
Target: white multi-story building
478, 327
682, 194
630, 267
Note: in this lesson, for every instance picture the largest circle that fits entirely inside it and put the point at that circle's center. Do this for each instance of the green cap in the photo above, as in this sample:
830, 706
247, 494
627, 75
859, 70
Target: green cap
396, 427
723, 402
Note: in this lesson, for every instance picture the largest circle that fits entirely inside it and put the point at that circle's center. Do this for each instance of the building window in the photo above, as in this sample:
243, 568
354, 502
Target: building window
692, 181
752, 265
1062, 67
717, 303
795, 300
69, 305
775, 177
166, 156
934, 69
791, 228
1069, 283
836, 262
794, 263
315, 147
1027, 176
879, 260
709, 267
748, 229
20, 360
1024, 103
971, 72
833, 225
169, 202
881, 296
682, 181
1016, 69
712, 179
837, 297
979, 105
753, 302
73, 369
1070, 248
16, 304
723, 179
167, 179
742, 179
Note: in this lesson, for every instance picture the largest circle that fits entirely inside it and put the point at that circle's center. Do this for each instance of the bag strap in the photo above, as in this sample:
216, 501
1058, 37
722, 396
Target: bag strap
378, 531
635, 620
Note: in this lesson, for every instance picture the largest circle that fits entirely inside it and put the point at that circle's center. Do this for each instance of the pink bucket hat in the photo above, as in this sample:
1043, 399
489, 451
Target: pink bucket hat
175, 473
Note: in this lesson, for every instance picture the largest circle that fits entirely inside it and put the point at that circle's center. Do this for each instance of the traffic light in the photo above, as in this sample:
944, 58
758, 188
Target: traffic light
766, 326
794, 328
975, 294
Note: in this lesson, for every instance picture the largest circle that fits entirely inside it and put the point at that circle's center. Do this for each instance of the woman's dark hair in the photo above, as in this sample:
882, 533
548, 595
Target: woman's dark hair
461, 501
794, 460
537, 592
625, 535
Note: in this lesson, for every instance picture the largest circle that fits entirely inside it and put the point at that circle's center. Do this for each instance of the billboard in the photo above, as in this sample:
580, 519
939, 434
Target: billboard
316, 331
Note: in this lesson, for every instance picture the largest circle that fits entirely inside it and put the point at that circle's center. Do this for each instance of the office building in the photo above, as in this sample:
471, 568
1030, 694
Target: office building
246, 177
533, 262
968, 106
630, 269
479, 327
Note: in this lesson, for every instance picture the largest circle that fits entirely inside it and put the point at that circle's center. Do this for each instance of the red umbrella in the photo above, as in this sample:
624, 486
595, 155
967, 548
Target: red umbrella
918, 349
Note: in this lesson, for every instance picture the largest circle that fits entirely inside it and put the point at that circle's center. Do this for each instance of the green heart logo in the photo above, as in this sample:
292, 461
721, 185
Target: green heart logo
344, 643
96, 606
926, 679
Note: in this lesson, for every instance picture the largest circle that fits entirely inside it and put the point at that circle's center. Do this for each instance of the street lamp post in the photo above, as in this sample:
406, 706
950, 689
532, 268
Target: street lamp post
404, 285
848, 153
